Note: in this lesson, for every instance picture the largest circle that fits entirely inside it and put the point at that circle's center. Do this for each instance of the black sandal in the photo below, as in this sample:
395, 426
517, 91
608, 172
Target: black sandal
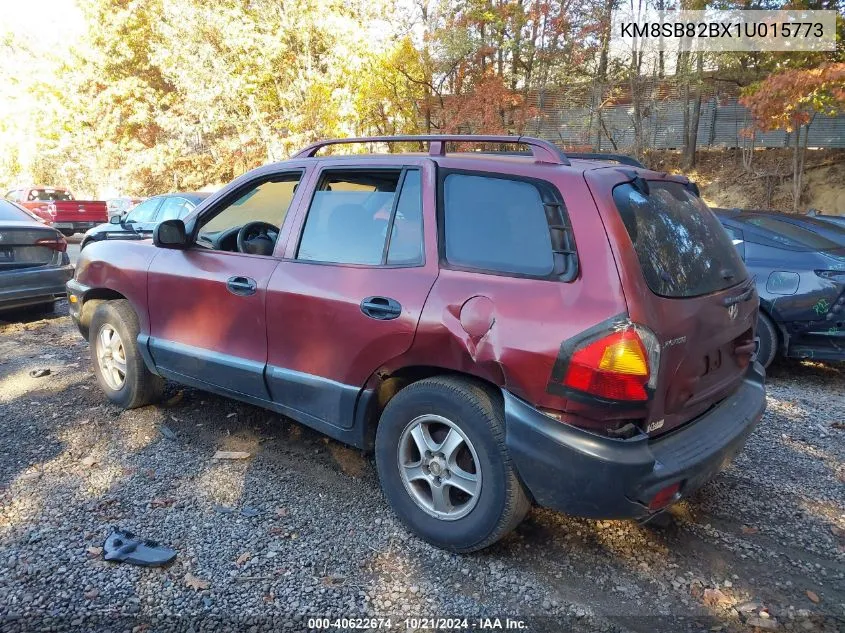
124, 546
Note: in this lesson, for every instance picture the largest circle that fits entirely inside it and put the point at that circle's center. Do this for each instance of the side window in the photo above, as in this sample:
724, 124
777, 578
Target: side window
406, 235
144, 212
736, 238
353, 212
171, 209
503, 226
267, 202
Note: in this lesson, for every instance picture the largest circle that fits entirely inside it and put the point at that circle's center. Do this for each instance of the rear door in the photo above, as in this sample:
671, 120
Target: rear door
683, 279
348, 295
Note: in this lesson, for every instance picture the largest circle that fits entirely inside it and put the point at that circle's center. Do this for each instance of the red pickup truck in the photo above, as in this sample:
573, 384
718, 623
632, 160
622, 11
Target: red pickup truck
57, 207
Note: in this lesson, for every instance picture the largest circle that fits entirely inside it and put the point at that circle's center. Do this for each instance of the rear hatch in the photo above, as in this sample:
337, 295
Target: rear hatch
683, 280
28, 246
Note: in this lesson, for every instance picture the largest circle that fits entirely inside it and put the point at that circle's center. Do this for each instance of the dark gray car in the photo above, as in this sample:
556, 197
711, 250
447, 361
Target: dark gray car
142, 219
34, 265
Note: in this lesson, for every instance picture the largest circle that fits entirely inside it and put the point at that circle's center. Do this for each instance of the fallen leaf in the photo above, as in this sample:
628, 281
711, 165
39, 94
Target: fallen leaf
249, 512
93, 552
167, 432
231, 455
89, 461
333, 581
747, 529
838, 425
90, 595
714, 597
195, 582
243, 558
281, 512
174, 400
275, 531
163, 502
768, 624
813, 596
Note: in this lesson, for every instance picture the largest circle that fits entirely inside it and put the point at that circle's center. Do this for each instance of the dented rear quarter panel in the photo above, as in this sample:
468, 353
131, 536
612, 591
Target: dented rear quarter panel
509, 330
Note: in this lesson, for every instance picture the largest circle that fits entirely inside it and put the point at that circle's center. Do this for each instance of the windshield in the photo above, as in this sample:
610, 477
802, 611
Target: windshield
10, 212
682, 247
791, 235
49, 195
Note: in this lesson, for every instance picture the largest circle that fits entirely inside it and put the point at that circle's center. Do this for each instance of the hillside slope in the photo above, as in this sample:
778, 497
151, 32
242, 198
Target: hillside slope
724, 182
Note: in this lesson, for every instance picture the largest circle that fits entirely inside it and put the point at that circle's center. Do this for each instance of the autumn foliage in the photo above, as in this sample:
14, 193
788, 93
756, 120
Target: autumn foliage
788, 100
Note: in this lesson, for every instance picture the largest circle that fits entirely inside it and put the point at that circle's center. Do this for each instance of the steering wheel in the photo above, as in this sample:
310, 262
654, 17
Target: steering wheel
257, 238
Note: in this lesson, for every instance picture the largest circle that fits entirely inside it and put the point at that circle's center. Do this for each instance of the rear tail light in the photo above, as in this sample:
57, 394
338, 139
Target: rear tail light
621, 365
57, 243
664, 497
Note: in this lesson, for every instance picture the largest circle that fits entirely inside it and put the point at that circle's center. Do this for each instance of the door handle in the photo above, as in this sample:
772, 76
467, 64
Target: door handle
241, 286
381, 308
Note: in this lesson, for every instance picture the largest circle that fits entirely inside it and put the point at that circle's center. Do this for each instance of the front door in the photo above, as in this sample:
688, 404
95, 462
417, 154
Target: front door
347, 297
207, 303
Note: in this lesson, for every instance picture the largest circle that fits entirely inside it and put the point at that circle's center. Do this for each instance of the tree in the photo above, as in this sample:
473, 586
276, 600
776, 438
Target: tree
789, 100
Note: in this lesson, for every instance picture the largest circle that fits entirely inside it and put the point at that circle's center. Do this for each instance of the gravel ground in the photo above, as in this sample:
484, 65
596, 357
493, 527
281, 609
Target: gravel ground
301, 529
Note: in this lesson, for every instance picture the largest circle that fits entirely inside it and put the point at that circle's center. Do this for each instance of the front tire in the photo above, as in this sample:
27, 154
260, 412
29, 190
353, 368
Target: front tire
118, 365
444, 466
768, 335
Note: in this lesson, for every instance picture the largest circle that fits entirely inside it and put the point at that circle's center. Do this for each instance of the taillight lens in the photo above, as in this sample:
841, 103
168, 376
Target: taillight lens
617, 366
57, 243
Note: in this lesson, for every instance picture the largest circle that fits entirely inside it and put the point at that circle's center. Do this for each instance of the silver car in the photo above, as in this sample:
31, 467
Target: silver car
34, 264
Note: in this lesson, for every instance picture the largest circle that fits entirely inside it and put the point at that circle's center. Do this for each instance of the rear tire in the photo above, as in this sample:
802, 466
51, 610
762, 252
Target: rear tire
118, 365
471, 416
768, 347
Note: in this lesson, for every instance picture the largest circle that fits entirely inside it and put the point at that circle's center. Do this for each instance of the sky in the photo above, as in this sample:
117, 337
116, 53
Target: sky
43, 23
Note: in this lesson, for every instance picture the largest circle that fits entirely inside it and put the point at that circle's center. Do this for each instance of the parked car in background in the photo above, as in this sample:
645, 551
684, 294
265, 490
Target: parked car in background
800, 277
839, 220
828, 230
140, 221
121, 206
501, 330
59, 209
34, 265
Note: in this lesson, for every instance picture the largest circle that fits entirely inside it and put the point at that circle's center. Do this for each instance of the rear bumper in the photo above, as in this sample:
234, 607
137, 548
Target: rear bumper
584, 474
26, 287
79, 227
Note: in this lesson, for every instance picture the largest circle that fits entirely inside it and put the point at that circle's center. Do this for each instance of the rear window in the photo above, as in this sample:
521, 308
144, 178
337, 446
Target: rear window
682, 247
46, 195
791, 236
9, 212
497, 225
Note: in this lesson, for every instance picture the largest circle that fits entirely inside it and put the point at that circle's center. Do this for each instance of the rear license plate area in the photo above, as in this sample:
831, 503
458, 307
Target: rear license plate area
7, 255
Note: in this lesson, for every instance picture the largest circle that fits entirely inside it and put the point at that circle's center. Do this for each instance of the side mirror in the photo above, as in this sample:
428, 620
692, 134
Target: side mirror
115, 219
170, 234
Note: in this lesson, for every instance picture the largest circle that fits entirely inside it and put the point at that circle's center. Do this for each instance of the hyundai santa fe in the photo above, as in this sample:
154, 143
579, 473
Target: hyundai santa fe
500, 330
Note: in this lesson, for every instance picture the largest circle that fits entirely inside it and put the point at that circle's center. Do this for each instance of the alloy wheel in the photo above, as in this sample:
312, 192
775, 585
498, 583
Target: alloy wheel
439, 467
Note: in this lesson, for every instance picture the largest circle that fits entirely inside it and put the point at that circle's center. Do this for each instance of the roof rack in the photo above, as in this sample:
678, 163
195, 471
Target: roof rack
543, 151
622, 159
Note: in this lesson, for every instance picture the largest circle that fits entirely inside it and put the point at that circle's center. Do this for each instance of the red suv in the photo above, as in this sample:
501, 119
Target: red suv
501, 330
